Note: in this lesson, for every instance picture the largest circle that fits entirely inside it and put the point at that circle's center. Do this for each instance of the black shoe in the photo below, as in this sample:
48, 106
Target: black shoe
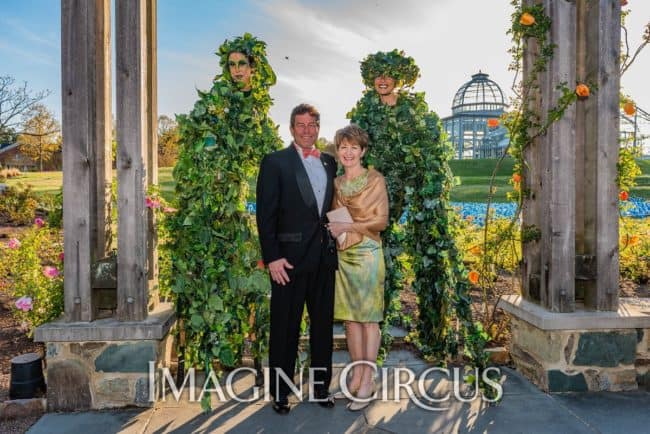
325, 400
259, 379
281, 407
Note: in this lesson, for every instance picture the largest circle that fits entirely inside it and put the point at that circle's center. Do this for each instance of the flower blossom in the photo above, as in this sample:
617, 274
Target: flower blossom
39, 222
13, 243
152, 202
24, 304
49, 271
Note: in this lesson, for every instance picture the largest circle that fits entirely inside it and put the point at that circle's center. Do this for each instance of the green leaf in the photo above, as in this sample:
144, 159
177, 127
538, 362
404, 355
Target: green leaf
215, 302
197, 321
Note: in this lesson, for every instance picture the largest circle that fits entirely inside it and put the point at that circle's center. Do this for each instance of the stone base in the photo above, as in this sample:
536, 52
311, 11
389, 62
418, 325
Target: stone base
581, 351
114, 371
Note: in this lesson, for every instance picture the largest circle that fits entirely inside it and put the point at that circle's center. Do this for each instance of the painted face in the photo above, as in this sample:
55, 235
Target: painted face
384, 85
240, 69
350, 153
305, 130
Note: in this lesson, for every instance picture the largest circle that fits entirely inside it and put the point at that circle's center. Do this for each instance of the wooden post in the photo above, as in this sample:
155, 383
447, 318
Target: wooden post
558, 159
600, 132
152, 148
132, 159
532, 184
86, 102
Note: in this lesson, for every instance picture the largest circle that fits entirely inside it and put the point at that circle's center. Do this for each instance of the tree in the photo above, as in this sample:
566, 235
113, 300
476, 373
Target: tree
41, 135
15, 102
168, 138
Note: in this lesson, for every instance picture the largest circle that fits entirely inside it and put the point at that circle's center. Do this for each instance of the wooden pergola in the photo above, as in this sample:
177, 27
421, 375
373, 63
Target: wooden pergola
87, 173
570, 175
571, 171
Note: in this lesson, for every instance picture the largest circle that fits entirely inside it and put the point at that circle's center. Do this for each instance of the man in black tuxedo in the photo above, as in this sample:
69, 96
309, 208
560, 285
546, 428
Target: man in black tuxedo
294, 193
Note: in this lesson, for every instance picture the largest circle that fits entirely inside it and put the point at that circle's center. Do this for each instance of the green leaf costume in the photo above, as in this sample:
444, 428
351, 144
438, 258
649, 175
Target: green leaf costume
407, 148
221, 295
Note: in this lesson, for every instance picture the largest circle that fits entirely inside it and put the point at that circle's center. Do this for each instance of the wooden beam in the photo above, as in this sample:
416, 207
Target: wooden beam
531, 184
103, 176
131, 81
600, 132
558, 157
85, 81
152, 147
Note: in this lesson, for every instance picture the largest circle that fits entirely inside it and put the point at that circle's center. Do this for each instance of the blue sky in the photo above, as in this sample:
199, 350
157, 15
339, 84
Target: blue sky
323, 40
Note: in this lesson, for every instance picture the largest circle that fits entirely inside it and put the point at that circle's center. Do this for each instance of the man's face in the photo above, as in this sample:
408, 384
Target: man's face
305, 130
384, 85
240, 69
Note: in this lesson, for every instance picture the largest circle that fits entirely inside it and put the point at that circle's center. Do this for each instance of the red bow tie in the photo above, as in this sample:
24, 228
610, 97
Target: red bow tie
313, 152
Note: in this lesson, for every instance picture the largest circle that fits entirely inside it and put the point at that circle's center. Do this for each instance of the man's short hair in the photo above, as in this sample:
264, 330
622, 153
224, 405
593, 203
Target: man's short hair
301, 109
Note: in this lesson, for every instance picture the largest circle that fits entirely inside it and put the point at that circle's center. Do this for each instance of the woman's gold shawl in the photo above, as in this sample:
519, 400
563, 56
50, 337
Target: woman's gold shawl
367, 204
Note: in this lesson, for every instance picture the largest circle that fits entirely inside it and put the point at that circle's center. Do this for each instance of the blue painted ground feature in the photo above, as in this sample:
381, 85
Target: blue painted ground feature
635, 207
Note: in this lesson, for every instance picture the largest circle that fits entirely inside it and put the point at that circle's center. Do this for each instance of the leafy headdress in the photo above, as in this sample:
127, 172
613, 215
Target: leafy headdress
253, 48
394, 64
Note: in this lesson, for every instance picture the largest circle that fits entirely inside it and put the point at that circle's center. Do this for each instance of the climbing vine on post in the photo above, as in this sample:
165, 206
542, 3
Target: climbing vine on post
220, 291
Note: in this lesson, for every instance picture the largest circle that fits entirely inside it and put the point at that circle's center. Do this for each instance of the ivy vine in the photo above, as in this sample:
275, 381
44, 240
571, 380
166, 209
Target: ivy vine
220, 292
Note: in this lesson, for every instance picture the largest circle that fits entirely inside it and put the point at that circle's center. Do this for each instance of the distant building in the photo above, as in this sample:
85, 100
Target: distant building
635, 131
11, 157
474, 127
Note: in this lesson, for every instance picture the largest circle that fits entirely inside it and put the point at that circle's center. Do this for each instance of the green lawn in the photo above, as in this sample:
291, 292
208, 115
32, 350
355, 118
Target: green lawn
473, 175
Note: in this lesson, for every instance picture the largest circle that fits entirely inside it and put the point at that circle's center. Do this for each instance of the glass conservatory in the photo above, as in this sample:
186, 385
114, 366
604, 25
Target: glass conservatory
474, 125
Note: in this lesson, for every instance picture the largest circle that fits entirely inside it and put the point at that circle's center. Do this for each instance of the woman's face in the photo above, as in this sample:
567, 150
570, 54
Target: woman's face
384, 85
350, 153
240, 69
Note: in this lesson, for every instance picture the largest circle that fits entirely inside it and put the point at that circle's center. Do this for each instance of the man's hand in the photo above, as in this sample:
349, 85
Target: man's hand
278, 272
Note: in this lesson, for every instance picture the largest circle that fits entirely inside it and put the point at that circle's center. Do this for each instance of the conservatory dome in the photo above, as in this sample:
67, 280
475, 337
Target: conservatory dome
480, 94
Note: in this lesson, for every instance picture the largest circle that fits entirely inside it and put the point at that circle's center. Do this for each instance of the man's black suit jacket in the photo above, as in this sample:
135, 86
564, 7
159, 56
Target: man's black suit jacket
288, 221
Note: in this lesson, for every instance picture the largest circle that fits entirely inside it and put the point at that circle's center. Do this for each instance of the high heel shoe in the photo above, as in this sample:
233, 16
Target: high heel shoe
341, 395
357, 405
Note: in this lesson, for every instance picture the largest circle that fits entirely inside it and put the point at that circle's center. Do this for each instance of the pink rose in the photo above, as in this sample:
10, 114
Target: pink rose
152, 203
24, 304
39, 222
13, 243
50, 272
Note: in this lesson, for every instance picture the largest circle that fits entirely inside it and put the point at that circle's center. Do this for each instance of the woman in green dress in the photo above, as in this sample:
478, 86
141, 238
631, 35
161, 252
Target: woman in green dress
359, 296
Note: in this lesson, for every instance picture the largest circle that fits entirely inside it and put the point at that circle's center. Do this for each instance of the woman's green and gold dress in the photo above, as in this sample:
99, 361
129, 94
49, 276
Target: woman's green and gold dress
359, 292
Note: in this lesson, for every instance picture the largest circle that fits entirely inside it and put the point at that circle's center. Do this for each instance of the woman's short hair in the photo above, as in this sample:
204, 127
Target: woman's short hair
353, 133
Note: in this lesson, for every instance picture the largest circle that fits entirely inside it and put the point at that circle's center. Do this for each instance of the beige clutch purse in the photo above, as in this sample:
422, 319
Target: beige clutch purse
340, 215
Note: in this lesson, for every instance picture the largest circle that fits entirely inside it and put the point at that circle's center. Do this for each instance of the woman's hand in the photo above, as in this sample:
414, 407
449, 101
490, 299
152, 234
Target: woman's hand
337, 229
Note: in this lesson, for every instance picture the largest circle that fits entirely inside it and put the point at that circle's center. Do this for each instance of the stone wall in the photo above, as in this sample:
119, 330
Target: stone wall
97, 375
581, 360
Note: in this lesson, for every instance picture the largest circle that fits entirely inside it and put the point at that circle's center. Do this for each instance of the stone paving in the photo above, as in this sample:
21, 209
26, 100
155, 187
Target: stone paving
523, 409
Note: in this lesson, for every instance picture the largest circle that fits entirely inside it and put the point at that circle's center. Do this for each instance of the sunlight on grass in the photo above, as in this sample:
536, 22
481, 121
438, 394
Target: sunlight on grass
474, 181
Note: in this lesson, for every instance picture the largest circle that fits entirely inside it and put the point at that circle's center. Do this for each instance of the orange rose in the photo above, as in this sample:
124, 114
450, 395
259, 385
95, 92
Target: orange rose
473, 277
516, 178
629, 108
260, 264
633, 240
475, 250
526, 19
582, 90
493, 122
623, 195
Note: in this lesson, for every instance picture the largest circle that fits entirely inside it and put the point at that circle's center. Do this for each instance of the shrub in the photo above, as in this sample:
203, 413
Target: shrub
18, 205
9, 173
31, 266
634, 249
